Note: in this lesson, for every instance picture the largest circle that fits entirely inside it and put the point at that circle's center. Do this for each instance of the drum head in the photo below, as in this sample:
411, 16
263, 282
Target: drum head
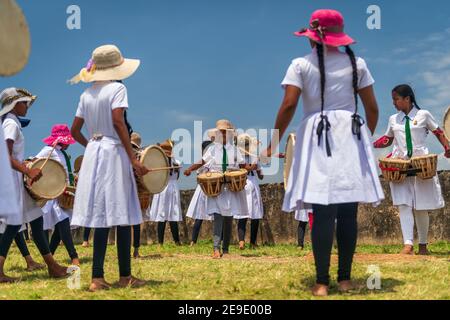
53, 182
447, 123
290, 148
77, 164
154, 157
14, 38
210, 176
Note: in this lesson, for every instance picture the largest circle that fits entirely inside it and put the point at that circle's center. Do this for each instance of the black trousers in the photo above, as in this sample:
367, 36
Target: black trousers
173, 229
322, 235
301, 232
123, 251
137, 236
20, 243
242, 228
86, 234
63, 233
37, 228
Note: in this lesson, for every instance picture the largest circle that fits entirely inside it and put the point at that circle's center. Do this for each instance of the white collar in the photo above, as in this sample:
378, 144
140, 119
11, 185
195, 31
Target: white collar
412, 114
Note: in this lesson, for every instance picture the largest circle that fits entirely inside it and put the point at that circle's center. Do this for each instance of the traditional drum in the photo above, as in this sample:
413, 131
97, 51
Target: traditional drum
53, 182
14, 38
394, 170
289, 156
211, 183
67, 199
426, 166
154, 182
236, 179
447, 123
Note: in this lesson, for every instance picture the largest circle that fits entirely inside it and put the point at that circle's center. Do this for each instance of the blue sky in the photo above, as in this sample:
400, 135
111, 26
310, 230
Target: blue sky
207, 60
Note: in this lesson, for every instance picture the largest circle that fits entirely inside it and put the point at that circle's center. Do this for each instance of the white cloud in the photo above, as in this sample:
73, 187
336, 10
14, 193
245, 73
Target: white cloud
184, 117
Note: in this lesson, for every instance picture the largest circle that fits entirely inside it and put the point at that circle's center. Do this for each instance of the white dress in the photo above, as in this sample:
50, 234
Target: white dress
9, 206
414, 192
198, 209
53, 213
28, 209
166, 206
302, 215
350, 175
106, 190
228, 203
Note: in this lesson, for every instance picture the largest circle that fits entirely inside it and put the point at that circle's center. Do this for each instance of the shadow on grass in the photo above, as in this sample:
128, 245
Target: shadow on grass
150, 257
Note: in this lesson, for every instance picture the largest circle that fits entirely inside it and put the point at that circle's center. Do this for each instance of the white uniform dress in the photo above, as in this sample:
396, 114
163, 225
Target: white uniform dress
166, 206
29, 211
302, 215
414, 192
53, 213
228, 203
197, 208
350, 175
106, 190
253, 193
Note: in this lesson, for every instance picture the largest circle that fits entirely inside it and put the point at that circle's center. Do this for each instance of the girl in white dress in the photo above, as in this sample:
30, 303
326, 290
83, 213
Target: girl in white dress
166, 206
333, 167
57, 219
221, 156
303, 216
408, 130
15, 103
197, 209
106, 192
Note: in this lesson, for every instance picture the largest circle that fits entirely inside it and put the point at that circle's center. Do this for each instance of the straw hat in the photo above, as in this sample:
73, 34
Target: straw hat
136, 140
244, 139
106, 64
167, 146
11, 96
221, 125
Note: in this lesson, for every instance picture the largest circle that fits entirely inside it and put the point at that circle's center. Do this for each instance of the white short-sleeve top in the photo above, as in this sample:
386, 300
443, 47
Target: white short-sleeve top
213, 157
13, 131
421, 123
96, 105
304, 74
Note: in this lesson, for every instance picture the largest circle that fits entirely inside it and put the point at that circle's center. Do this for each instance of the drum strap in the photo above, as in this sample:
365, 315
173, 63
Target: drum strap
69, 167
409, 144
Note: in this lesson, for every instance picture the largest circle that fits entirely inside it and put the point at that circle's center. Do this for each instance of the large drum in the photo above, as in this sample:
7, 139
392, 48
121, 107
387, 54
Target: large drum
14, 38
426, 166
236, 179
67, 199
211, 183
52, 184
289, 156
447, 123
155, 182
394, 170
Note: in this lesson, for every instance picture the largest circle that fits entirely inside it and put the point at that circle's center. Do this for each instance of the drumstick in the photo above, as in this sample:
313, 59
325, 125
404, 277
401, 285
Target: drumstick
164, 168
49, 155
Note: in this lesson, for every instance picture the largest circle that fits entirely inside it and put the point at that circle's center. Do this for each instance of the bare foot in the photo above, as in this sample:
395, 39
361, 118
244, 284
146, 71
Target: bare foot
345, 286
320, 290
192, 244
86, 244
56, 271
33, 266
216, 254
99, 284
408, 249
241, 245
5, 279
76, 262
131, 282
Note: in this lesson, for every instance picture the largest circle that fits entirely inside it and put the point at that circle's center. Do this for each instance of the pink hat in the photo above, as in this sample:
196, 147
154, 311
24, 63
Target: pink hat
61, 134
327, 27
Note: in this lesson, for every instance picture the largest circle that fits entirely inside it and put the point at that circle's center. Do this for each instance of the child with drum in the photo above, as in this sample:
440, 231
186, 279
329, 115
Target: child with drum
197, 209
57, 218
407, 131
166, 206
219, 158
248, 146
333, 167
14, 104
106, 194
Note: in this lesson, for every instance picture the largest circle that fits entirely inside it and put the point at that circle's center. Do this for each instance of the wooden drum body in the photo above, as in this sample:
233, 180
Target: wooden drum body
211, 183
236, 180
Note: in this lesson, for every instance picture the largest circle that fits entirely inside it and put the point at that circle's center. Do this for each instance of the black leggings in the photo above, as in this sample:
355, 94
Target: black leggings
86, 234
37, 228
20, 243
322, 239
242, 228
123, 251
196, 230
173, 229
137, 236
301, 232
63, 232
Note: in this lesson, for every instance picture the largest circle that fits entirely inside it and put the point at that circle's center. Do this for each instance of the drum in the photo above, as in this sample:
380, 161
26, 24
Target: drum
394, 170
154, 182
14, 38
67, 199
211, 183
236, 179
77, 164
447, 123
426, 166
53, 182
289, 156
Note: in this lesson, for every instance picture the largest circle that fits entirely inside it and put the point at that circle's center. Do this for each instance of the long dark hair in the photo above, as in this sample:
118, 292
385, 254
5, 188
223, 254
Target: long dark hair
404, 90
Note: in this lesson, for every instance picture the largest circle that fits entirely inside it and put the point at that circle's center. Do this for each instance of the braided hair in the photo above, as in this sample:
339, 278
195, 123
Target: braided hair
404, 91
324, 124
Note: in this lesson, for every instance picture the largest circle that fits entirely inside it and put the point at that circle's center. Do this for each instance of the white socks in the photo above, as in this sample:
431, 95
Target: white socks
407, 224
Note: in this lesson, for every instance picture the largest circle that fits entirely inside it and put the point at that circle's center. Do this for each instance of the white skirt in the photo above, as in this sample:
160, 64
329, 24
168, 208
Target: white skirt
254, 200
418, 194
302, 215
350, 175
228, 204
54, 214
106, 192
197, 208
9, 204
166, 206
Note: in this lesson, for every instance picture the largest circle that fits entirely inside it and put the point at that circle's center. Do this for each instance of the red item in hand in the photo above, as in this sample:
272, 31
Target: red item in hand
383, 142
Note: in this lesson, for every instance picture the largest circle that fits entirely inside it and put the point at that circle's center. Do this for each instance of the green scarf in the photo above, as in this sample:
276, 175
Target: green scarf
69, 167
409, 143
224, 160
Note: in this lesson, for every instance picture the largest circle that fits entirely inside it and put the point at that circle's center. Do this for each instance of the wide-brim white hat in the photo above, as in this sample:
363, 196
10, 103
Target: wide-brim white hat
11, 96
107, 64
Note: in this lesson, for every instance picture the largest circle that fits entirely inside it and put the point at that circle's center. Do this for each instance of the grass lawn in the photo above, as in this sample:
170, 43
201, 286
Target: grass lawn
281, 272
